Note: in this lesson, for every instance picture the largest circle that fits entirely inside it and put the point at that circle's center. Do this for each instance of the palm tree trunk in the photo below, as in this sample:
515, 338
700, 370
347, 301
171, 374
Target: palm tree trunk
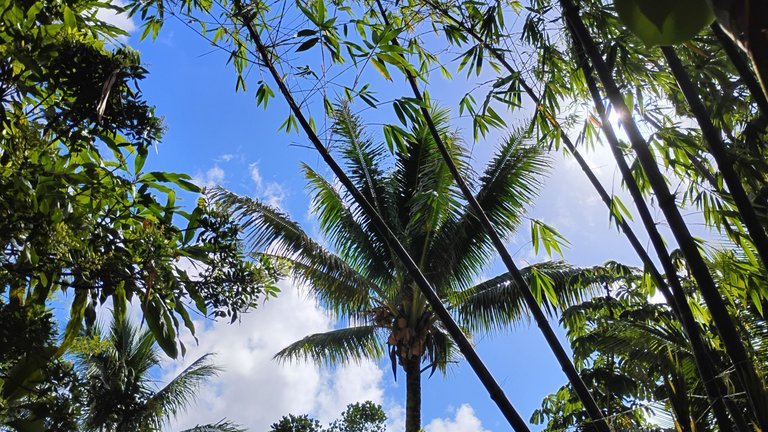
246, 18
745, 368
413, 395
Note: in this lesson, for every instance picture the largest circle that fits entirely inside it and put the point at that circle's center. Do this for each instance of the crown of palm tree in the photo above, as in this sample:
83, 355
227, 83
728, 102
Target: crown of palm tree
120, 391
363, 281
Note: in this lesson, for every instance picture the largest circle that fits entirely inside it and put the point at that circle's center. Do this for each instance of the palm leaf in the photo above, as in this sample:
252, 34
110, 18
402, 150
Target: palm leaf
220, 426
266, 227
507, 187
360, 247
336, 346
180, 392
425, 193
498, 302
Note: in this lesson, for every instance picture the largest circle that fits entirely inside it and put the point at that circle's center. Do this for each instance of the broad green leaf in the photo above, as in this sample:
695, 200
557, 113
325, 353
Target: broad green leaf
664, 22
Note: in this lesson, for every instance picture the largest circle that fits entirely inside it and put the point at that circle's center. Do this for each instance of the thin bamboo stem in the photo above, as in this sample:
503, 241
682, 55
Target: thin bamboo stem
718, 150
676, 301
723, 322
485, 376
742, 68
542, 322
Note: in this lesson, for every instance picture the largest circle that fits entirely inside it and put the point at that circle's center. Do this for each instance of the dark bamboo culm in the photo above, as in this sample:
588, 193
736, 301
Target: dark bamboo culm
717, 149
707, 369
495, 391
724, 324
713, 385
598, 420
742, 67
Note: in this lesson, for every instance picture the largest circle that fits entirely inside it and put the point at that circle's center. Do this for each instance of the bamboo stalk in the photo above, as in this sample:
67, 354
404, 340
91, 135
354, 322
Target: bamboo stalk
742, 68
542, 322
485, 376
723, 322
718, 150
676, 297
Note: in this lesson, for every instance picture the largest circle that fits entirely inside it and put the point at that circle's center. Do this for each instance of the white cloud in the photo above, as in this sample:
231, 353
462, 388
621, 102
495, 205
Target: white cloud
213, 177
254, 390
120, 20
463, 421
273, 193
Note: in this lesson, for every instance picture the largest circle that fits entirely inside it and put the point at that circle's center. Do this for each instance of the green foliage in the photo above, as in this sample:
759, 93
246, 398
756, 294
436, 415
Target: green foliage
357, 417
80, 220
292, 423
360, 417
119, 392
665, 23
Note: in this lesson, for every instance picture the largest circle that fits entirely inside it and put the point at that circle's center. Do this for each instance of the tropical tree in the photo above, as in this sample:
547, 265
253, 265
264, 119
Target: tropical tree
357, 417
80, 217
119, 391
637, 360
368, 287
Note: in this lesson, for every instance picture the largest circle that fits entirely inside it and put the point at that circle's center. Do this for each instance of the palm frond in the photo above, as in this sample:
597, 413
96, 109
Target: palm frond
181, 391
425, 193
363, 157
221, 426
507, 187
336, 346
498, 302
440, 350
362, 248
267, 227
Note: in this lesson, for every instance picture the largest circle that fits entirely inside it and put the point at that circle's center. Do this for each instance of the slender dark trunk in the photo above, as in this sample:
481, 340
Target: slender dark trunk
742, 68
718, 150
675, 297
726, 328
542, 322
412, 395
489, 382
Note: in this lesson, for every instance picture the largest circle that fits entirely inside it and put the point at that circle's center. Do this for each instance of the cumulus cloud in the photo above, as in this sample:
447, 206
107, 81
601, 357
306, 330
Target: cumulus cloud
117, 19
213, 177
463, 421
254, 390
273, 193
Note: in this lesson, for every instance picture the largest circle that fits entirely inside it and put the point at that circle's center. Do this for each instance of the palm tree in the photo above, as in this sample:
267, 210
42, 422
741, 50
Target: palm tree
119, 390
366, 285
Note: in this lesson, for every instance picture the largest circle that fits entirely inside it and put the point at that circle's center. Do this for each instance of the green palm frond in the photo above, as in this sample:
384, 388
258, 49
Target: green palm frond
498, 302
363, 157
440, 350
180, 392
362, 248
343, 292
220, 426
267, 228
507, 187
337, 346
425, 194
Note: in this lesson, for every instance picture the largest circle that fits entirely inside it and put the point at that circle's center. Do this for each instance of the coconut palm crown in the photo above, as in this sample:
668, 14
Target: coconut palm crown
120, 392
364, 283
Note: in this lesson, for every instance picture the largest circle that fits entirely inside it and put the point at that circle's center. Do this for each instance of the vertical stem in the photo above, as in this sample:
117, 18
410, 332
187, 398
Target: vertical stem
495, 391
726, 328
538, 314
412, 395
720, 153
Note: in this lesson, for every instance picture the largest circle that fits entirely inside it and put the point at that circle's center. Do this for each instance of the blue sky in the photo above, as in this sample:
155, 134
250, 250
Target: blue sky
222, 138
